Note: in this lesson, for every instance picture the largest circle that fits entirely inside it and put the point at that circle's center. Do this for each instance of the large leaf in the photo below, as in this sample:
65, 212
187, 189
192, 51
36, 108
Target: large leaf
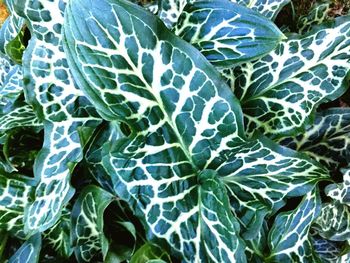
328, 251
334, 222
184, 123
227, 34
29, 252
289, 238
279, 92
59, 104
327, 140
268, 8
15, 194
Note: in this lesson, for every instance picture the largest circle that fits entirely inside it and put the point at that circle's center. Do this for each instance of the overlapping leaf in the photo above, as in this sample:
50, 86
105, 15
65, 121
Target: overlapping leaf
170, 11
328, 251
279, 92
341, 192
226, 33
59, 104
268, 8
87, 222
289, 239
334, 222
327, 139
29, 252
11, 34
317, 15
58, 237
184, 124
260, 176
15, 194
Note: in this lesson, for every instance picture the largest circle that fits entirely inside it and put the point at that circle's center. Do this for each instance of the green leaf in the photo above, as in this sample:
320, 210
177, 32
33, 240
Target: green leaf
16, 47
261, 175
150, 252
340, 192
11, 33
87, 223
328, 251
334, 222
170, 11
29, 252
268, 8
257, 247
279, 92
316, 16
227, 34
59, 104
11, 85
184, 122
20, 117
58, 236
104, 134
326, 140
15, 194
289, 239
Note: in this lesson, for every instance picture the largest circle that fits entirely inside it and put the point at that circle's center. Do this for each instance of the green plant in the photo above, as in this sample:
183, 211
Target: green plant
184, 137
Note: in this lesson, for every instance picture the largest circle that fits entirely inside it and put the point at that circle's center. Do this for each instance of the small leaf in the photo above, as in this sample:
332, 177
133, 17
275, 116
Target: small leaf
87, 222
227, 34
170, 11
316, 16
289, 239
328, 251
29, 252
340, 192
334, 222
150, 252
58, 236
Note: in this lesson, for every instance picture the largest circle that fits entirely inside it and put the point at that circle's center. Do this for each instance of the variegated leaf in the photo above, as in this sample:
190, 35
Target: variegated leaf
257, 247
289, 238
29, 252
334, 222
170, 11
268, 8
87, 223
317, 15
327, 140
168, 141
11, 32
184, 123
279, 92
59, 104
15, 194
341, 192
11, 85
328, 251
58, 237
226, 33
23, 116
261, 175
150, 252
105, 133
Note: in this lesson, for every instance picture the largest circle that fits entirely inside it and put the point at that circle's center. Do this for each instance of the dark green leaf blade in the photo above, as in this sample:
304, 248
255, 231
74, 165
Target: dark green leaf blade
29, 252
